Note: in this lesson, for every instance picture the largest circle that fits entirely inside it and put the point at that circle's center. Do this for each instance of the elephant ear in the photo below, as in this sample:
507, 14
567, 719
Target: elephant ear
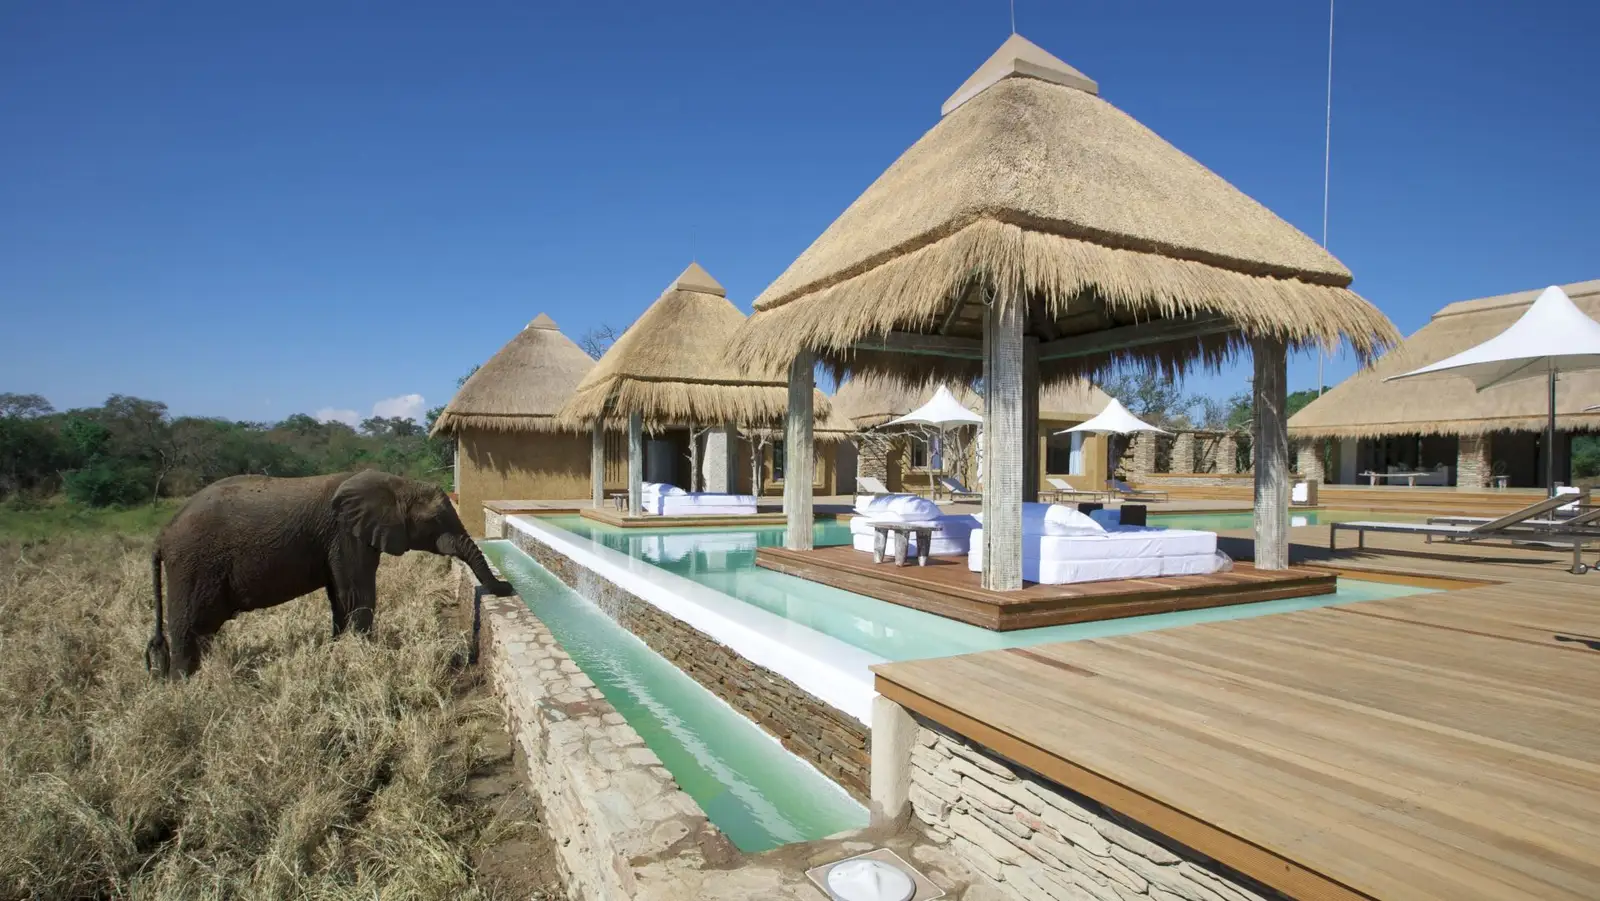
367, 506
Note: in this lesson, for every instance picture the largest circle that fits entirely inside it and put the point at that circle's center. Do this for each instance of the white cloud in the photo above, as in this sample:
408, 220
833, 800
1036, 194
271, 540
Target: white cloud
406, 406
328, 414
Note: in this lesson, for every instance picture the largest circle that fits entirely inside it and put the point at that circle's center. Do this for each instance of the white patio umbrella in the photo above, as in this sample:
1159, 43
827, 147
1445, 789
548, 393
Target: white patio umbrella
1113, 420
1553, 336
942, 412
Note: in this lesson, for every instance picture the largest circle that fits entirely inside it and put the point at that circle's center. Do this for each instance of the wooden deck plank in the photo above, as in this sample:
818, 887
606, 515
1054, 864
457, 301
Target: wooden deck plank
1429, 747
947, 588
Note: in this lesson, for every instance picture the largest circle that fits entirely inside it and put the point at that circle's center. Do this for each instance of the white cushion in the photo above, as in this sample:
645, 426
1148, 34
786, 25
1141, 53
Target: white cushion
1056, 519
1129, 552
898, 508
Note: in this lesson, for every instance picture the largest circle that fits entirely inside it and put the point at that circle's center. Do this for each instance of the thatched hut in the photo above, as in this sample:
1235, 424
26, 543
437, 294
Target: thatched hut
901, 461
834, 471
1365, 424
1038, 232
667, 375
508, 443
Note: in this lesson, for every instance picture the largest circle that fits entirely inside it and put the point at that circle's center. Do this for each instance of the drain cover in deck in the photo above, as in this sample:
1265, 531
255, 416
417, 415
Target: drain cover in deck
878, 875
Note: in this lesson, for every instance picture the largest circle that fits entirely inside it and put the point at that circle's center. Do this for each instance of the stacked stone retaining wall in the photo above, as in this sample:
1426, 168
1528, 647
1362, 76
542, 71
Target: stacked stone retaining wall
828, 738
1037, 840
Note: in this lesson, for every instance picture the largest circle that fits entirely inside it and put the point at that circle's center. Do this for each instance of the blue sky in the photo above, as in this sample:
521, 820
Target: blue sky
251, 210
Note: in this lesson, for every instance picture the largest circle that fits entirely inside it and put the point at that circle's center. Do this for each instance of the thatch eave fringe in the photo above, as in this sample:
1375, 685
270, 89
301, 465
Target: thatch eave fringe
911, 292
1456, 427
676, 403
450, 424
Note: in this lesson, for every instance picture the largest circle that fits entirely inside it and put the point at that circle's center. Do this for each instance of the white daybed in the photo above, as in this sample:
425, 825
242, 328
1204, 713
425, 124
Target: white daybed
1061, 545
951, 535
669, 500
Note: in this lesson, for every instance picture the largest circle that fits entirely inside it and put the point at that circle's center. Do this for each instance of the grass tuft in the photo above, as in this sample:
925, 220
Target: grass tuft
291, 765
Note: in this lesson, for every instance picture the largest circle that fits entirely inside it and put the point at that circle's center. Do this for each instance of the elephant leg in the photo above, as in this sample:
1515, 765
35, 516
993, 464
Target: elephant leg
365, 602
353, 590
341, 615
183, 642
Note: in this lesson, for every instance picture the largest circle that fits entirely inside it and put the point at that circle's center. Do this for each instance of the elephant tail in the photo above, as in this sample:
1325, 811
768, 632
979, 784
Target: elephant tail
155, 653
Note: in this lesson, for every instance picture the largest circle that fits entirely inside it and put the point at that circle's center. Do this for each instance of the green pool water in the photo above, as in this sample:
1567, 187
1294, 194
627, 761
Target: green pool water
1220, 522
756, 792
724, 560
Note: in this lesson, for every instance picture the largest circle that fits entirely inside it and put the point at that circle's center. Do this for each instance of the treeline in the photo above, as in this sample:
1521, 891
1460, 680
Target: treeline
130, 451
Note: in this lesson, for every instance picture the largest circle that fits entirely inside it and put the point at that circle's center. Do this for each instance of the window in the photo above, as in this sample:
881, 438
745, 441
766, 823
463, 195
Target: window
919, 452
1064, 454
777, 460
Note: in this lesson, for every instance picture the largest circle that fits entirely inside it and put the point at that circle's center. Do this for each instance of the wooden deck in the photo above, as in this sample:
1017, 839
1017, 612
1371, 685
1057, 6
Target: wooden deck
617, 518
947, 588
1441, 747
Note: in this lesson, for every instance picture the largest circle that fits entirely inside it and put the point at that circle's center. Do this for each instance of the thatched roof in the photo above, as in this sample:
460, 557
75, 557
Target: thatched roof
869, 400
522, 387
669, 366
1364, 405
828, 424
1035, 188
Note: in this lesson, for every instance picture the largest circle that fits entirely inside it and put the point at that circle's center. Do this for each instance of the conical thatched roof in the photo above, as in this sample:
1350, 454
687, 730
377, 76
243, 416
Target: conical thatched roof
1365, 406
1033, 185
669, 366
522, 387
869, 400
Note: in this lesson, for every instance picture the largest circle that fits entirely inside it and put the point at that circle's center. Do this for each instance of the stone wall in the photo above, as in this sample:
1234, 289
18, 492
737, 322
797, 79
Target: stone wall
1308, 459
613, 811
1037, 840
831, 740
1473, 461
1182, 453
1225, 456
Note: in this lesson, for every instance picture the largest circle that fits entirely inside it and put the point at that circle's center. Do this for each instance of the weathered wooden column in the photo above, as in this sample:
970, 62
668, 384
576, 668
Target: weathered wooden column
799, 453
635, 464
597, 463
1271, 443
1030, 419
1003, 417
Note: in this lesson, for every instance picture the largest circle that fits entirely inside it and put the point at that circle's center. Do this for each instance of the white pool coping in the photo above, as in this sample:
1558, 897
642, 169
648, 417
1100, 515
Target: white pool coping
833, 671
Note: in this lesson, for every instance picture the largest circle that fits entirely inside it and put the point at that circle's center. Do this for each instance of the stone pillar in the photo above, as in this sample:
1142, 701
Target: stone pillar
799, 450
719, 461
1271, 448
1002, 458
1308, 459
1144, 455
894, 734
597, 463
1183, 453
872, 459
1227, 455
1030, 420
1474, 464
635, 464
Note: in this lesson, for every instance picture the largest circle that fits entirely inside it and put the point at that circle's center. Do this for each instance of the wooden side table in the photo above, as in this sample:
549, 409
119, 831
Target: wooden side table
880, 538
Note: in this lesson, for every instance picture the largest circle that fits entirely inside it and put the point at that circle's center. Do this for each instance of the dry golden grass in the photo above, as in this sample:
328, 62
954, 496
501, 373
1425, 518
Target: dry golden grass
290, 766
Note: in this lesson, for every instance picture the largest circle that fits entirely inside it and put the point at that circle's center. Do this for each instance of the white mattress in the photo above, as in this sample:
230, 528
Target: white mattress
1129, 552
702, 504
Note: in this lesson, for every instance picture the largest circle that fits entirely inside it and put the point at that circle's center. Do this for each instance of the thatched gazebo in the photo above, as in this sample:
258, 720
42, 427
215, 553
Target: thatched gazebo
668, 370
1447, 420
508, 443
1038, 232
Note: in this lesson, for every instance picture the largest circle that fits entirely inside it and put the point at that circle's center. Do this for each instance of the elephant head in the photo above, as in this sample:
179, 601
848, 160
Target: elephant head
395, 515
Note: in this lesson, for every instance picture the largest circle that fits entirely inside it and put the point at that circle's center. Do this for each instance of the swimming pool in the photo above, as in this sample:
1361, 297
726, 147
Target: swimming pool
1221, 522
723, 560
754, 790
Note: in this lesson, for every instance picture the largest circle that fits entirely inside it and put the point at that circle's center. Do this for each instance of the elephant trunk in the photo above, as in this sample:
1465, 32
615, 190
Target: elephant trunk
463, 548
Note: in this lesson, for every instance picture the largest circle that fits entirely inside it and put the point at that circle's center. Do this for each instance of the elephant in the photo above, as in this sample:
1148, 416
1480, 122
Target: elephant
251, 541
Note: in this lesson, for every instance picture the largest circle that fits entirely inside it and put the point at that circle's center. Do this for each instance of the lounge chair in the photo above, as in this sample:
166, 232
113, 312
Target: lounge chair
1525, 526
871, 485
1116, 488
958, 490
1060, 488
1572, 514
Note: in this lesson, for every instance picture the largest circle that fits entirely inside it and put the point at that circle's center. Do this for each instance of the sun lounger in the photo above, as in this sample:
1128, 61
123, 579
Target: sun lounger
1061, 489
871, 485
1525, 526
958, 490
1122, 490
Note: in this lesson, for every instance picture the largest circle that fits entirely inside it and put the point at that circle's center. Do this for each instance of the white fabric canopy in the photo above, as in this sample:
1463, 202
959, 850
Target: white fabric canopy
1552, 336
1115, 419
943, 411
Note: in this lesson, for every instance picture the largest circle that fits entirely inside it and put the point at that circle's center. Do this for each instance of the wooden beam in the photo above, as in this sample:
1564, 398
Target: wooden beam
925, 345
1043, 324
1004, 384
1127, 336
799, 462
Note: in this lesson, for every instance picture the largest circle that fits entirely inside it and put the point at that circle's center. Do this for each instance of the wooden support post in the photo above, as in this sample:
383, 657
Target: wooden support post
635, 464
1030, 420
799, 454
597, 463
1002, 453
1271, 445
